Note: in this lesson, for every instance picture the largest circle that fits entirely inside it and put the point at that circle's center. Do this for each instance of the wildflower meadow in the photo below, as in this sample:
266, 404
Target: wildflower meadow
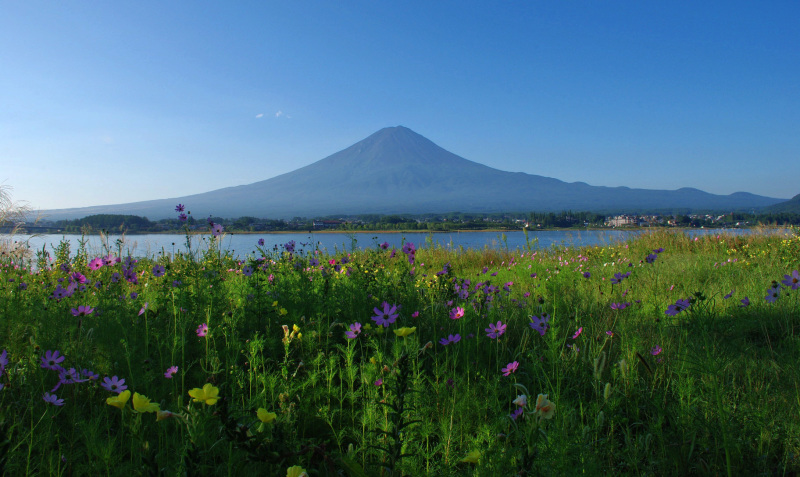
663, 355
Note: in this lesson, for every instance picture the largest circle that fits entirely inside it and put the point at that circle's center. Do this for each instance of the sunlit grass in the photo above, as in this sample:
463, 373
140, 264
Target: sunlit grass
267, 378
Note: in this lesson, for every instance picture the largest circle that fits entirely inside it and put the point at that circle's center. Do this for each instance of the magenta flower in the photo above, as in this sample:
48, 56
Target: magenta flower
170, 372
52, 399
378, 382
96, 263
577, 333
495, 330
792, 281
656, 350
510, 368
384, 245
202, 330
415, 314
355, 330
386, 316
51, 359
114, 384
82, 311
456, 313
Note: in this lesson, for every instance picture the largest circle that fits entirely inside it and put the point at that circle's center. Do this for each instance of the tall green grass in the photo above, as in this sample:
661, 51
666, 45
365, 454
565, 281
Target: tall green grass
633, 391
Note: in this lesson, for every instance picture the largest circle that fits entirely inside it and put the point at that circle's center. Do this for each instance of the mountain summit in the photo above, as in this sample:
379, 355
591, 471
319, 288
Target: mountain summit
396, 170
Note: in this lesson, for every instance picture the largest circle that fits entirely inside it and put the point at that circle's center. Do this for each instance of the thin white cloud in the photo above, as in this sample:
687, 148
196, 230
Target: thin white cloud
259, 115
279, 114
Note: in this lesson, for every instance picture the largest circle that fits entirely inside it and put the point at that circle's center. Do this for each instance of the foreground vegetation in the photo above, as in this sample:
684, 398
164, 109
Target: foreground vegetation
661, 356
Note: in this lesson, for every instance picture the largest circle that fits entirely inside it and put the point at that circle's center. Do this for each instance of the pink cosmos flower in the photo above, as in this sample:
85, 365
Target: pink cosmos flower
456, 313
170, 372
202, 330
510, 368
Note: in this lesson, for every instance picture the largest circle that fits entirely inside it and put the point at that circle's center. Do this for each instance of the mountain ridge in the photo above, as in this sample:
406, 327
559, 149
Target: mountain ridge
396, 170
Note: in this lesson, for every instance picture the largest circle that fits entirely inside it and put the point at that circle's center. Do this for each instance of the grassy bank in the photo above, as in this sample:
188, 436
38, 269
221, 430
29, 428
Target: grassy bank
665, 355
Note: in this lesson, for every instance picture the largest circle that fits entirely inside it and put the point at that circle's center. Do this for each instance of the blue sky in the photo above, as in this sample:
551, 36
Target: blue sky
114, 102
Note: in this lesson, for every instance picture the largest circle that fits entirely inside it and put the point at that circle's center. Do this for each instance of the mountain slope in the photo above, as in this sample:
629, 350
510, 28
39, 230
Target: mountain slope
395, 170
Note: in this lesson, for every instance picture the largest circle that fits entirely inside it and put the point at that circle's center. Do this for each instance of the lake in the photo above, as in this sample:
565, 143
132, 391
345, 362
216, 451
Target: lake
242, 245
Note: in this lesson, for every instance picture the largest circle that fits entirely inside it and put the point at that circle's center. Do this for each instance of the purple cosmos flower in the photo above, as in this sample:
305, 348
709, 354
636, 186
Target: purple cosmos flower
202, 330
82, 311
261, 242
729, 294
176, 283
456, 313
180, 208
96, 263
289, 246
114, 384
68, 376
620, 306
651, 258
52, 399
183, 217
656, 350
134, 295
495, 330
450, 339
510, 368
384, 245
51, 359
170, 372
159, 271
679, 306
516, 413
540, 324
3, 361
386, 316
587, 275
216, 230
355, 330
247, 271
658, 250
378, 382
77, 277
772, 294
89, 374
144, 308
408, 248
745, 302
792, 281
618, 277
115, 277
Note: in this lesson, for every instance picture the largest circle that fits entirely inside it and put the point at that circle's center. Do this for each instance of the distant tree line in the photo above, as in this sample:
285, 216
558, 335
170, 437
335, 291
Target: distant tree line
411, 222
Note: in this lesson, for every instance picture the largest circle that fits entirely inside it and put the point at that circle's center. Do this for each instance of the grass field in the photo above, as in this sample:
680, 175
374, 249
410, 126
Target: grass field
665, 355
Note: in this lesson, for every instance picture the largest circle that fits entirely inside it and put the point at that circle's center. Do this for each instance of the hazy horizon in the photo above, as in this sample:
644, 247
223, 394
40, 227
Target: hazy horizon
148, 101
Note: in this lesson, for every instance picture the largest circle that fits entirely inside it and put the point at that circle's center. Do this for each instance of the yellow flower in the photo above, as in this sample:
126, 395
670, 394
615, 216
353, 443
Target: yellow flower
209, 394
119, 400
296, 471
472, 457
265, 416
545, 407
275, 304
283, 312
142, 404
405, 331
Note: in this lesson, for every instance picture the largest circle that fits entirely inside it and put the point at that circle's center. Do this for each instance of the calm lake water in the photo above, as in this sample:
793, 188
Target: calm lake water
245, 244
